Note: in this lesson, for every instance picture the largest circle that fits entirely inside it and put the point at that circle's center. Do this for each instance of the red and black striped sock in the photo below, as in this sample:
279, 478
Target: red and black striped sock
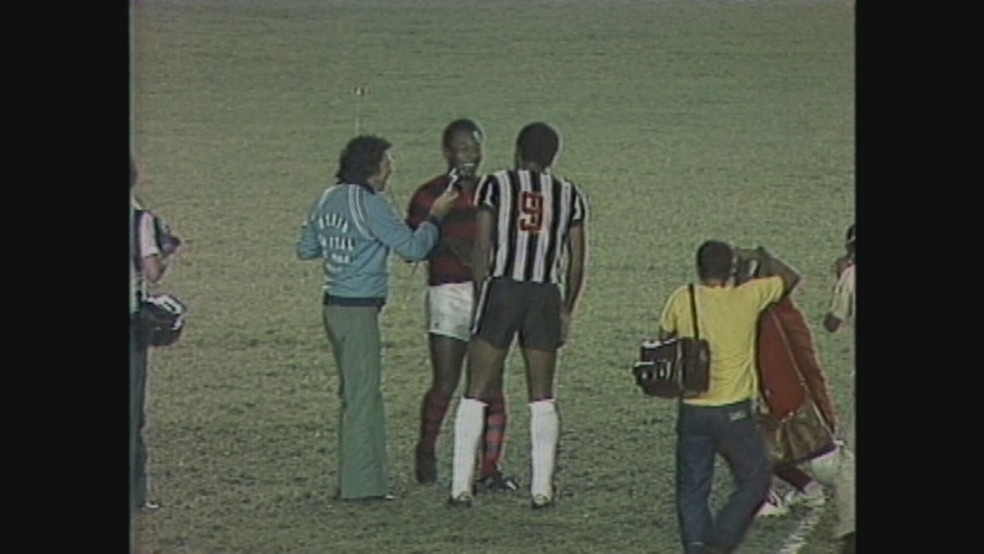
432, 411
495, 428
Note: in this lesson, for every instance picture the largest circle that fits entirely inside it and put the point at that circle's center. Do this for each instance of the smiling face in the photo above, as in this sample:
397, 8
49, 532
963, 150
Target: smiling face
464, 153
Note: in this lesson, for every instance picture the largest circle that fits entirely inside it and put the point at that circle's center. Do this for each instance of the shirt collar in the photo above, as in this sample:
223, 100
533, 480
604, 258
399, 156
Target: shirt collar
363, 185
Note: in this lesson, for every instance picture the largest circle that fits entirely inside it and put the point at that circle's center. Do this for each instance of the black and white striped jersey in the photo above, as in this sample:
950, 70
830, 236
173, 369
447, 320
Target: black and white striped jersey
534, 211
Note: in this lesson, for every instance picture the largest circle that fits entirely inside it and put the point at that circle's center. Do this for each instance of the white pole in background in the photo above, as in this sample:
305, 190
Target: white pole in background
360, 92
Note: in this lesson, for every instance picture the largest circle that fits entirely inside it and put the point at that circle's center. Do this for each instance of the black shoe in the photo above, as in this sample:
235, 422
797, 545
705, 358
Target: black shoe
496, 482
426, 468
463, 500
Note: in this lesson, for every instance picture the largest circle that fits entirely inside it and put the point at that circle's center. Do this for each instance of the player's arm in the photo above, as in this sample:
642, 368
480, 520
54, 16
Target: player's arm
575, 277
482, 249
486, 200
577, 245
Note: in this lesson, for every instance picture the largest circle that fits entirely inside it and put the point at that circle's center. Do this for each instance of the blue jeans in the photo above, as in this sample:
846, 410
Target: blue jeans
733, 432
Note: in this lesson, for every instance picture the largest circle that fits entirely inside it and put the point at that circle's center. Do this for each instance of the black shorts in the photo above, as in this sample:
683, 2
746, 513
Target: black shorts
507, 307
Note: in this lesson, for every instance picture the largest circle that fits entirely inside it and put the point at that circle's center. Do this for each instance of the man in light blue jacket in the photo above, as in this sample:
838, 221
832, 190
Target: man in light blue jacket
352, 228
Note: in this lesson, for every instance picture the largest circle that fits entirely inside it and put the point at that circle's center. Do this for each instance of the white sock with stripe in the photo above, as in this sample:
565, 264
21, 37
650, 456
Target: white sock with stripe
468, 422
544, 433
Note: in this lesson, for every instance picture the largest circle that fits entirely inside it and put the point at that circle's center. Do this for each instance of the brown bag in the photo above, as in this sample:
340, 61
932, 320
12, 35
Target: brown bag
799, 436
679, 367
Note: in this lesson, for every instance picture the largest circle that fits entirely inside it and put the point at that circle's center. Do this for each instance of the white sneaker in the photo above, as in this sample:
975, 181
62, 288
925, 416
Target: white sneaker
773, 505
811, 497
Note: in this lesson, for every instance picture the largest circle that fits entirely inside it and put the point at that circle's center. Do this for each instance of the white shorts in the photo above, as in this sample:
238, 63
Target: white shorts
449, 310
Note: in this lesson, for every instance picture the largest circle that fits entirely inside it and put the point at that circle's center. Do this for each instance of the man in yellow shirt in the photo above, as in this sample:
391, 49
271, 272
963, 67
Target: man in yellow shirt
722, 420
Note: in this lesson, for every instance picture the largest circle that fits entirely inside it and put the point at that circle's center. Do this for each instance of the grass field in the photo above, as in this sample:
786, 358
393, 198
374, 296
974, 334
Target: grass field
682, 121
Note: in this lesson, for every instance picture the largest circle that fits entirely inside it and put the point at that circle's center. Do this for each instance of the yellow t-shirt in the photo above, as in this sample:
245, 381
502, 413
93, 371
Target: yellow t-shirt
728, 320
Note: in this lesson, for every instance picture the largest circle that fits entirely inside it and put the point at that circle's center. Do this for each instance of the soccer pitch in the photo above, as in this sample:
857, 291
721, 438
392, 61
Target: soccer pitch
681, 121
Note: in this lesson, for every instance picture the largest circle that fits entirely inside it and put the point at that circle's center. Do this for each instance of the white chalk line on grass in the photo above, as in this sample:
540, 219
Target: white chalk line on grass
797, 539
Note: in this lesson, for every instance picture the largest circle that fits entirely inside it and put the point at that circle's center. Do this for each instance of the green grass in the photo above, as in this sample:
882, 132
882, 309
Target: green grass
682, 120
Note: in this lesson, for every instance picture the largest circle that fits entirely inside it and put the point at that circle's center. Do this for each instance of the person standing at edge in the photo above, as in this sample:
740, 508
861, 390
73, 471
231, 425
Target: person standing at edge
151, 252
841, 315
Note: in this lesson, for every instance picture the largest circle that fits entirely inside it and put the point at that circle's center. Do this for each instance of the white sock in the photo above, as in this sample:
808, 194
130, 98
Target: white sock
468, 423
544, 432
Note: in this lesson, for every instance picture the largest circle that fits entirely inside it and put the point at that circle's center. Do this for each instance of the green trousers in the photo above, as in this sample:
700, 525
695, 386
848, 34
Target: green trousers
362, 465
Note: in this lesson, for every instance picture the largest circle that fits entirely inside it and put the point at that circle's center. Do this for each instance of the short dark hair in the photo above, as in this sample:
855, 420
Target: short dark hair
714, 259
458, 126
538, 143
360, 159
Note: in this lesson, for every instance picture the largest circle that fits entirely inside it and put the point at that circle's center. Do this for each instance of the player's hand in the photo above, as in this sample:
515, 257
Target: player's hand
444, 203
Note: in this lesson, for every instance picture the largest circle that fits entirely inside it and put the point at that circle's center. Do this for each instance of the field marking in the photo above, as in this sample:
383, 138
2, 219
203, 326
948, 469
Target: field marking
797, 539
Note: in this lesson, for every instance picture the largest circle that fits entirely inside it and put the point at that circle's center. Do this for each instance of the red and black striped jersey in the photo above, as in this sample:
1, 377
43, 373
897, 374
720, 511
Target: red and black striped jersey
534, 211
443, 266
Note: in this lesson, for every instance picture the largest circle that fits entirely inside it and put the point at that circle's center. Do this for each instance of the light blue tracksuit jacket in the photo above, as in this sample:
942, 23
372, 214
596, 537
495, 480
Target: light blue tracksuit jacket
353, 229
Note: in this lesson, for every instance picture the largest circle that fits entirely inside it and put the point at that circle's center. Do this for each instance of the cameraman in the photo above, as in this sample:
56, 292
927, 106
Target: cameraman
841, 314
151, 248
722, 420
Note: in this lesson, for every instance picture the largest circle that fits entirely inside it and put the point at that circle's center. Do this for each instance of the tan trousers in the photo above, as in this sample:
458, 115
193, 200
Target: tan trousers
844, 483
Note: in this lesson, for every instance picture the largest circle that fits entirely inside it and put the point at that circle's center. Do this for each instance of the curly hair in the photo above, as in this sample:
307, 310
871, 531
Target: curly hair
360, 159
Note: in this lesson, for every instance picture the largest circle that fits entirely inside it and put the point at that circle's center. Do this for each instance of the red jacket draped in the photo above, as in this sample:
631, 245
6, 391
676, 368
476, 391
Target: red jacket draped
789, 369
